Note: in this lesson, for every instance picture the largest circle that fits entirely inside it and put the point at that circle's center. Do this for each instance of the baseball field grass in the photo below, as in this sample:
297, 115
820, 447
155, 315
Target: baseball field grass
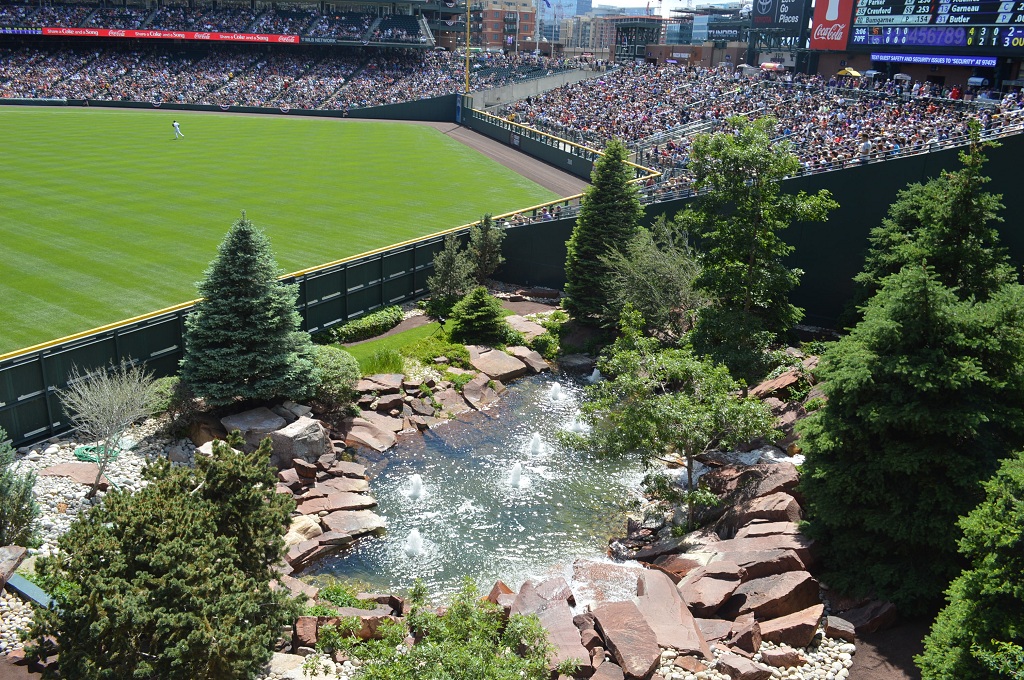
105, 216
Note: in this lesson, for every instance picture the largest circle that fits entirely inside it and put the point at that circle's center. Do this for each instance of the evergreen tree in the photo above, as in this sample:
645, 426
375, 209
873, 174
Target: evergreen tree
948, 221
173, 582
925, 396
244, 338
664, 400
654, 273
452, 278
485, 248
980, 633
609, 216
737, 224
18, 508
479, 318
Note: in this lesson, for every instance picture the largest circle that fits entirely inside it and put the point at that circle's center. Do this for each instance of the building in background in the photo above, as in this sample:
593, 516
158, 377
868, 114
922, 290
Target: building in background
503, 24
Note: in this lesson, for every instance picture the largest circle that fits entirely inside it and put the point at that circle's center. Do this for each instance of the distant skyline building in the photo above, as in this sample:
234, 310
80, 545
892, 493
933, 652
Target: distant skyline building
583, 6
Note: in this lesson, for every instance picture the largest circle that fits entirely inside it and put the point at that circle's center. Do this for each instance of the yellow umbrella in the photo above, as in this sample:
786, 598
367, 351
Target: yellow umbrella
849, 72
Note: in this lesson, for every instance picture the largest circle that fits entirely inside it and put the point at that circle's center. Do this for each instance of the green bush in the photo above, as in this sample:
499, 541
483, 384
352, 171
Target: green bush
438, 345
370, 326
18, 507
479, 318
175, 399
546, 345
471, 641
383, 361
336, 372
979, 635
342, 595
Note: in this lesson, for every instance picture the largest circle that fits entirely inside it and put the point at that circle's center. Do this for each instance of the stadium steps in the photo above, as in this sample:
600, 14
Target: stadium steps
352, 76
310, 25
369, 32
425, 30
88, 19
149, 19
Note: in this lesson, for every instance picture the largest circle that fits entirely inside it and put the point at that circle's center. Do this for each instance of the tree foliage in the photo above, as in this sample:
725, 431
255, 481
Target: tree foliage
664, 400
472, 641
484, 249
737, 224
925, 396
451, 280
654, 272
479, 318
244, 339
105, 403
337, 373
609, 216
980, 633
948, 221
173, 581
18, 508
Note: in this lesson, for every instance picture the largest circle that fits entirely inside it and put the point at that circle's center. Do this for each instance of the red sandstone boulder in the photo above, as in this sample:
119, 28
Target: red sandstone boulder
714, 630
305, 632
776, 386
689, 664
630, 640
764, 527
778, 507
752, 481
761, 563
361, 432
745, 633
839, 628
343, 485
796, 629
353, 522
608, 671
496, 364
344, 468
668, 616
774, 596
799, 544
533, 360
83, 473
369, 620
782, 658
676, 565
739, 668
556, 618
334, 502
873, 616
556, 589
707, 589
381, 383
481, 392
451, 402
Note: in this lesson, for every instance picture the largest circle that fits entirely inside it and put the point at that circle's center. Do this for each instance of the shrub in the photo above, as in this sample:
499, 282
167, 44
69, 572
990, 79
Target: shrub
337, 373
175, 399
343, 595
18, 507
978, 636
452, 278
383, 361
546, 345
472, 640
479, 318
370, 326
484, 248
173, 581
438, 345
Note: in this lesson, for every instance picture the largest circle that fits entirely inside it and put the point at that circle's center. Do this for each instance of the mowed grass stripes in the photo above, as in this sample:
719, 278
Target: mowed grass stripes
104, 216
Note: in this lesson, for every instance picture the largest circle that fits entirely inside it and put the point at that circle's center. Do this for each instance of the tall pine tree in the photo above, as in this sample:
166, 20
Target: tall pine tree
609, 217
925, 396
243, 339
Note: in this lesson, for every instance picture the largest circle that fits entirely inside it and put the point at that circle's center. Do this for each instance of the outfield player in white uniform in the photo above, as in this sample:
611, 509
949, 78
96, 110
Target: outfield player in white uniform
177, 130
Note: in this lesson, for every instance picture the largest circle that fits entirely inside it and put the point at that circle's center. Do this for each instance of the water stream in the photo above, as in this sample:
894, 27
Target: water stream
492, 495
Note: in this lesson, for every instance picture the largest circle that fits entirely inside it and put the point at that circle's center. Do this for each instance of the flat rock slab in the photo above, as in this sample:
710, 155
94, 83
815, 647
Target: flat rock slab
532, 358
482, 391
83, 473
773, 596
381, 383
608, 671
343, 485
760, 527
556, 617
739, 668
707, 591
714, 630
799, 544
776, 385
451, 402
668, 616
361, 432
796, 629
630, 640
333, 502
344, 468
498, 365
761, 563
353, 522
254, 424
779, 506
530, 329
10, 558
385, 423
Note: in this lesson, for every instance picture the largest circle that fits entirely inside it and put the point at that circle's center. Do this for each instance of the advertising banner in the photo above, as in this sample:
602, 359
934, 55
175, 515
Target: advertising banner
168, 35
830, 28
777, 14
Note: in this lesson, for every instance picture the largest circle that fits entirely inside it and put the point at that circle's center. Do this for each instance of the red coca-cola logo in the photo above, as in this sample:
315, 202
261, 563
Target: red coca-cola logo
116, 34
832, 33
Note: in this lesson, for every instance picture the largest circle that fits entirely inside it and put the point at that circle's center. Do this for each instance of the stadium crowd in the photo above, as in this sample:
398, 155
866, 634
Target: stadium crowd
347, 79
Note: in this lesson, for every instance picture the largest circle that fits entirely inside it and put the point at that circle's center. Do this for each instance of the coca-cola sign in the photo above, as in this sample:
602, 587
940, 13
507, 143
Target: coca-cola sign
168, 35
831, 25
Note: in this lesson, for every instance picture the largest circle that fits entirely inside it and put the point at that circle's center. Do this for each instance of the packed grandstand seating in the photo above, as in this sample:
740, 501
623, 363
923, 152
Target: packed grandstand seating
350, 25
829, 123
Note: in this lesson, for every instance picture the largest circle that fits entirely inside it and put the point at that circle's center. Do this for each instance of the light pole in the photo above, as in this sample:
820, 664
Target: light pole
469, 16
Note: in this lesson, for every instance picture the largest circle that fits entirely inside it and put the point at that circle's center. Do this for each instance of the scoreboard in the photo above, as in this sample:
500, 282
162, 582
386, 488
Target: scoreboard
978, 24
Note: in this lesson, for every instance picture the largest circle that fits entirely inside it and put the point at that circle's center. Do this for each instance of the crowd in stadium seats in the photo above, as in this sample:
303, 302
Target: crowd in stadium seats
347, 25
119, 17
182, 18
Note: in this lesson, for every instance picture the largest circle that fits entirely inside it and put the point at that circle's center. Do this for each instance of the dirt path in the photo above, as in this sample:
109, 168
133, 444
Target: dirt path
889, 654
